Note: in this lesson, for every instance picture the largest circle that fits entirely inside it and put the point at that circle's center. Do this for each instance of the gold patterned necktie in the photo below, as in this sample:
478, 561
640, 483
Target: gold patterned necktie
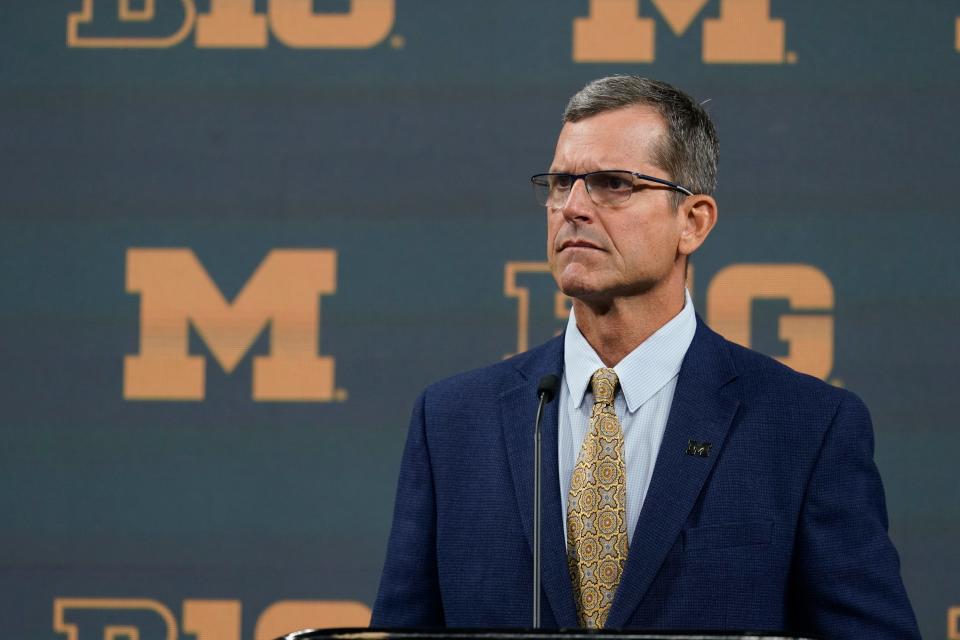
596, 508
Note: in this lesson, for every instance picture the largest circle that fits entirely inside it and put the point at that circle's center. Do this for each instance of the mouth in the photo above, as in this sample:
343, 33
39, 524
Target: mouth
578, 244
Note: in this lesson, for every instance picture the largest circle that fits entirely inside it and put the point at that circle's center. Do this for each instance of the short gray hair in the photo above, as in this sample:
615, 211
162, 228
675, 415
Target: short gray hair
690, 150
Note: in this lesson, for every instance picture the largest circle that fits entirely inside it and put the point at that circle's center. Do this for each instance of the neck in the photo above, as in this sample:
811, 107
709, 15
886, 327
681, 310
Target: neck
616, 327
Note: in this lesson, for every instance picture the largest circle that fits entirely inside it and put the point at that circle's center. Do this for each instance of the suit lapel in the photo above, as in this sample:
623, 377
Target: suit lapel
700, 411
518, 411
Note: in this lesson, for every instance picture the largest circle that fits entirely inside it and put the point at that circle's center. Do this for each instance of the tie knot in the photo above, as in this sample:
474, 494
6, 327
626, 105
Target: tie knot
604, 383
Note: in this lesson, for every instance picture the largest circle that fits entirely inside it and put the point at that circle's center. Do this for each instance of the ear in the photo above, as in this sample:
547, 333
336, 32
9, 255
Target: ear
698, 215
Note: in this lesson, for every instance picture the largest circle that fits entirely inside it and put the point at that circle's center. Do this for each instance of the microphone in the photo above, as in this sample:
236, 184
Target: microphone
548, 387
546, 390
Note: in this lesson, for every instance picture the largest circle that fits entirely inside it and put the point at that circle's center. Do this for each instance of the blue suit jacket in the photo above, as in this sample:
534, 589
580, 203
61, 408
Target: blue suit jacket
781, 527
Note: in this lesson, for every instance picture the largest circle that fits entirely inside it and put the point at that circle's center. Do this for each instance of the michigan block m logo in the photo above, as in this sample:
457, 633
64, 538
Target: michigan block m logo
284, 292
615, 31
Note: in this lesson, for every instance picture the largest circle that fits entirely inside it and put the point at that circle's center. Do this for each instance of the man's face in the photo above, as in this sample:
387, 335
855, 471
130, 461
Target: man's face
598, 253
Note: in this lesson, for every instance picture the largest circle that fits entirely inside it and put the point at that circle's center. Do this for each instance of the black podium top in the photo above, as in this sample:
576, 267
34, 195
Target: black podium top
529, 634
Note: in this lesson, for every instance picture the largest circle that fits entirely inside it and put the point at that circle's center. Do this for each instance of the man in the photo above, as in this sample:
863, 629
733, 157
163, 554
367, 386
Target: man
690, 483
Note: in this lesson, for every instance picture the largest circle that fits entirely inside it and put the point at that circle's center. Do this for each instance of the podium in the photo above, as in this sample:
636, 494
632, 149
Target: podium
529, 634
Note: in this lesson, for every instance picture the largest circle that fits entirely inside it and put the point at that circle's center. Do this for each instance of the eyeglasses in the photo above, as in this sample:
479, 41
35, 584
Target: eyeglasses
609, 187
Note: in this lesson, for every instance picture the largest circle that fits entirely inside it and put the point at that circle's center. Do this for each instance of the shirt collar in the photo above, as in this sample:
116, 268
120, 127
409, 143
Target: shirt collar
644, 371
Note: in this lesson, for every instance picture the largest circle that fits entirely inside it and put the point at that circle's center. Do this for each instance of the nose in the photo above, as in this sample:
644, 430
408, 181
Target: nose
578, 207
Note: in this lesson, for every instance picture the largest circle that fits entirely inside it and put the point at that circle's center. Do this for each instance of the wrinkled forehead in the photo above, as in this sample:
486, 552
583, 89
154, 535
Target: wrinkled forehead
627, 138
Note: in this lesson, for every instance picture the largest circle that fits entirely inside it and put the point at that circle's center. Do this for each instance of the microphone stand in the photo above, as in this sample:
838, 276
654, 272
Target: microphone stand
545, 390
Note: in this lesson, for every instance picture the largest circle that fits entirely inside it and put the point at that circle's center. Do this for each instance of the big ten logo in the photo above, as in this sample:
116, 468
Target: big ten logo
227, 24
176, 291
143, 619
744, 32
733, 297
953, 623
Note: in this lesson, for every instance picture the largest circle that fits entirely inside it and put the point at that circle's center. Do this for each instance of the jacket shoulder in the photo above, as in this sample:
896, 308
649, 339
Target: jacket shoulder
761, 374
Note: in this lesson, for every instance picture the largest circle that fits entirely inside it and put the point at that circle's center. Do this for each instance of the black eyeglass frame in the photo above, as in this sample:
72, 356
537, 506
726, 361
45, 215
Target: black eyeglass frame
583, 176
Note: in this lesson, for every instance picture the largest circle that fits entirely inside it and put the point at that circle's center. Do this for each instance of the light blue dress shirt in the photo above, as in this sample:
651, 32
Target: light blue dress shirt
648, 377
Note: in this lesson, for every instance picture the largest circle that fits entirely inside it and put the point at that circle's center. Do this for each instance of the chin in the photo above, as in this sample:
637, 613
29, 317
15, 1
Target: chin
576, 281
578, 288
574, 277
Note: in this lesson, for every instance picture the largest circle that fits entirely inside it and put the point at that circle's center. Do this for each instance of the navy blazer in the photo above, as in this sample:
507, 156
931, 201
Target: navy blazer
781, 527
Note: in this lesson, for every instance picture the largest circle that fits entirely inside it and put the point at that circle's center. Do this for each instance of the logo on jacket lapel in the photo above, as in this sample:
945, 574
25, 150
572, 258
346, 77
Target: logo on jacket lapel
697, 448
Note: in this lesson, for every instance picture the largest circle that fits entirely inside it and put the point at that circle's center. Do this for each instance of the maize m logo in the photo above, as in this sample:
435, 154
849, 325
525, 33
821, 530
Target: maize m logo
284, 292
231, 24
744, 33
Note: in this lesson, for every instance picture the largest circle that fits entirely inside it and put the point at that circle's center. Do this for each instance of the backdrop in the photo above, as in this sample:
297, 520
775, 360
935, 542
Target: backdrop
239, 236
